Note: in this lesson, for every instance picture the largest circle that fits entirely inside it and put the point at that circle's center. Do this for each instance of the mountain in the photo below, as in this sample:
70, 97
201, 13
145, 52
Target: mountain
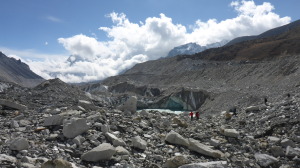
15, 71
269, 33
240, 74
192, 48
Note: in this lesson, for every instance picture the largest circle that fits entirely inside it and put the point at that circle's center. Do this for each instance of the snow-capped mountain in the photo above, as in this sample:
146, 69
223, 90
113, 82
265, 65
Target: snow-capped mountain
192, 48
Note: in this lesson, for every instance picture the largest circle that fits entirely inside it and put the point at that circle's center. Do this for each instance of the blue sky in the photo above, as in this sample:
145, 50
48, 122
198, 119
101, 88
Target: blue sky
43, 33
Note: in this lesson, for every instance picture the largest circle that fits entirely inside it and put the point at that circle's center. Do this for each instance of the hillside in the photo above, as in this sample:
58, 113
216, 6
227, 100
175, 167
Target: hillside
240, 74
12, 70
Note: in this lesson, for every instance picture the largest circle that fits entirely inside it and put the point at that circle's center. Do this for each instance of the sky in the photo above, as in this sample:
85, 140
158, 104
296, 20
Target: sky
82, 41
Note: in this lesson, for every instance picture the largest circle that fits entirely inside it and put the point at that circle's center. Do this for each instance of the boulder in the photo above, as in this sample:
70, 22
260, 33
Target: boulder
54, 120
174, 138
265, 160
179, 122
57, 163
74, 127
102, 152
229, 132
114, 140
215, 164
176, 161
200, 148
78, 140
19, 144
129, 105
139, 143
122, 151
277, 151
87, 105
105, 128
12, 105
292, 152
287, 142
144, 113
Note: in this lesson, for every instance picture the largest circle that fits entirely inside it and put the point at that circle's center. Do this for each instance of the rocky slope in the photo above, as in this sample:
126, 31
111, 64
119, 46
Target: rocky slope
56, 124
12, 70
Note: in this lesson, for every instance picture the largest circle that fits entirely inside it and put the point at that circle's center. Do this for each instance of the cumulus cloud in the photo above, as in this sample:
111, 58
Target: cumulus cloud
131, 43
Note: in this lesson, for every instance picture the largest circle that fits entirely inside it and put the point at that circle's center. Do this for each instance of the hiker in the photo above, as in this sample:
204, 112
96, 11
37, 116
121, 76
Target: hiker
266, 100
197, 115
192, 115
233, 110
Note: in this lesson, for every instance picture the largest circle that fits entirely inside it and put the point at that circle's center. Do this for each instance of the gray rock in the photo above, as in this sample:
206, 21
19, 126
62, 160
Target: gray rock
102, 152
114, 140
57, 163
78, 140
252, 109
204, 149
287, 142
176, 161
277, 151
292, 152
129, 105
273, 139
229, 132
12, 105
122, 151
144, 113
265, 160
74, 127
175, 138
87, 105
139, 143
105, 128
19, 144
179, 122
215, 164
54, 120
14, 124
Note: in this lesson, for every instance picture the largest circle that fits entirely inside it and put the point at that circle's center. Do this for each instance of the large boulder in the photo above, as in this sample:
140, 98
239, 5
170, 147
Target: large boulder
265, 160
74, 127
102, 152
19, 144
215, 164
139, 143
54, 120
176, 161
175, 138
204, 149
13, 105
179, 122
129, 105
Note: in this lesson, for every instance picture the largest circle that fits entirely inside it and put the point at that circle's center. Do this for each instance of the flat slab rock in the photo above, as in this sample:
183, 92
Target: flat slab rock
102, 152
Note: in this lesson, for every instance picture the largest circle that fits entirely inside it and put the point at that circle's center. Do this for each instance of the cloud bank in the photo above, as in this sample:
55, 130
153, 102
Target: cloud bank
131, 43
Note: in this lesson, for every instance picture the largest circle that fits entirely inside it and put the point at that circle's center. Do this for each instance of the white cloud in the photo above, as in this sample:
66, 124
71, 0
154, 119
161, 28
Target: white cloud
54, 19
132, 43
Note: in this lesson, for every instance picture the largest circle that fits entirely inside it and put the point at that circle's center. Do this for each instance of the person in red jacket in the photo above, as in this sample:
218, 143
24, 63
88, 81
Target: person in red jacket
192, 115
197, 115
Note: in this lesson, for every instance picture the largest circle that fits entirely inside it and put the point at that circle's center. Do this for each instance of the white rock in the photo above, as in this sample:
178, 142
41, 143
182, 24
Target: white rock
229, 132
175, 138
4, 157
265, 160
215, 164
139, 143
19, 144
74, 127
102, 152
129, 105
252, 109
204, 149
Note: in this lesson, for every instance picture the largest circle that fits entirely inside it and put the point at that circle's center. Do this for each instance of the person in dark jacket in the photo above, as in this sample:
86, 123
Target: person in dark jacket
197, 115
191, 115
